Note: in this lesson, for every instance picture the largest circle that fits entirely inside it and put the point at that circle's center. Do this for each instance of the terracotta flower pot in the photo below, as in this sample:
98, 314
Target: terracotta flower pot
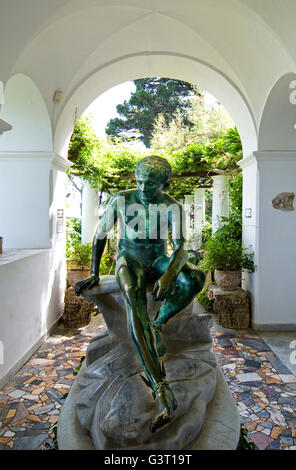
228, 280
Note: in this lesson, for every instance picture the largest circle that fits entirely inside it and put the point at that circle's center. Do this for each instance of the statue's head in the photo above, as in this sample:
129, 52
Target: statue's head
156, 168
152, 174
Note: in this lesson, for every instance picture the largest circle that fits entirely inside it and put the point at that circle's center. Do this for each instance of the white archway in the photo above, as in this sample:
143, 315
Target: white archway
164, 64
25, 159
25, 109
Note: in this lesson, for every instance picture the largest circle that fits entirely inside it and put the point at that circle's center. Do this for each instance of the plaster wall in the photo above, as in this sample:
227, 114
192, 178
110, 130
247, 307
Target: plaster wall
24, 199
31, 293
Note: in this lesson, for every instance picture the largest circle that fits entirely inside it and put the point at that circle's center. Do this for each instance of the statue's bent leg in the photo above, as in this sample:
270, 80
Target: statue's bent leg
189, 282
131, 281
132, 284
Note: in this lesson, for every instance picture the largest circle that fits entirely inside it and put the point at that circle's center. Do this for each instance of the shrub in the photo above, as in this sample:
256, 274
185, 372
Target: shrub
79, 256
223, 251
73, 234
203, 299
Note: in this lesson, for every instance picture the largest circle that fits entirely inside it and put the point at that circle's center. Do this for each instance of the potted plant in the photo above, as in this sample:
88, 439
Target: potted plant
226, 257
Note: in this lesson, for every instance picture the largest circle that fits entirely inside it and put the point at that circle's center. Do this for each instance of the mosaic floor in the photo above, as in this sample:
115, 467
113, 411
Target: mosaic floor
264, 389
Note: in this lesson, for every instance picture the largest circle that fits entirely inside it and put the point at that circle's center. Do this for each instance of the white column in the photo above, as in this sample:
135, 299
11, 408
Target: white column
220, 206
271, 232
90, 218
199, 215
188, 202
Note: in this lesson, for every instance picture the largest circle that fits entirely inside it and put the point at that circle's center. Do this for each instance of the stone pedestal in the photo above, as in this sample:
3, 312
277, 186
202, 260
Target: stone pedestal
232, 307
111, 407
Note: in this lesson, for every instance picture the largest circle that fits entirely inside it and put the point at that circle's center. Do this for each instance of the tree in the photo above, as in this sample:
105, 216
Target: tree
206, 124
153, 96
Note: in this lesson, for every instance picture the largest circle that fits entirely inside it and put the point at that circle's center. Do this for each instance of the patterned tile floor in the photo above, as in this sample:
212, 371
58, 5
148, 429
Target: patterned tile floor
264, 389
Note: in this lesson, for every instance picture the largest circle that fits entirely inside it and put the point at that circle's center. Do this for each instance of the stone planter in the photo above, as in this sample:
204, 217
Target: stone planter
77, 311
228, 280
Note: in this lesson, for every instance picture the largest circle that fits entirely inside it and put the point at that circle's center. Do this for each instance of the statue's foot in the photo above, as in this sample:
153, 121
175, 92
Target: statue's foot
165, 404
158, 341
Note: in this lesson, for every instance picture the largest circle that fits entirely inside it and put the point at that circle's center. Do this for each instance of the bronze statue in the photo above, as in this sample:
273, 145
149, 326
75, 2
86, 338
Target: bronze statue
142, 259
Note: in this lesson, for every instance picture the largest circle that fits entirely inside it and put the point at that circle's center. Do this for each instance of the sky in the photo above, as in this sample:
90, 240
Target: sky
104, 107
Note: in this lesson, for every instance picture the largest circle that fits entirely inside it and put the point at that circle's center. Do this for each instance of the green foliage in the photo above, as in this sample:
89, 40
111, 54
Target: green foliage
79, 257
203, 299
231, 228
73, 233
244, 441
206, 233
223, 250
206, 124
226, 254
84, 152
153, 96
200, 157
235, 186
107, 167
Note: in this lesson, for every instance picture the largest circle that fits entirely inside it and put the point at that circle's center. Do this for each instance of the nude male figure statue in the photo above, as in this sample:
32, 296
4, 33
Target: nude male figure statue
142, 259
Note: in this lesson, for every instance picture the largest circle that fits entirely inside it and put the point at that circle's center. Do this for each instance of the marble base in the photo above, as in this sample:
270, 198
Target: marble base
113, 405
220, 431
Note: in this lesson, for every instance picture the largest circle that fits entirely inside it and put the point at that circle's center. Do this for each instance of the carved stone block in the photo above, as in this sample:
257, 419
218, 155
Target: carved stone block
232, 307
284, 201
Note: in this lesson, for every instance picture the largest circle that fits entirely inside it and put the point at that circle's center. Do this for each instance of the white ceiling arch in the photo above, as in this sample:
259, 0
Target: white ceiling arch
151, 65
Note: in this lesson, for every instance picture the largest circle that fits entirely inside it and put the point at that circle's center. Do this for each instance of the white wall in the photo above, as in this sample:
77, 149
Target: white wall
24, 200
31, 294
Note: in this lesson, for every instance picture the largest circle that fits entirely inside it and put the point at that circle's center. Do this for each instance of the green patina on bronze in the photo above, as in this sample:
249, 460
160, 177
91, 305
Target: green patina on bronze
142, 259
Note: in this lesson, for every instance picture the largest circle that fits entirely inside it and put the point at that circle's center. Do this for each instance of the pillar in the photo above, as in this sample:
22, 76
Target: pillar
199, 214
220, 206
89, 213
188, 203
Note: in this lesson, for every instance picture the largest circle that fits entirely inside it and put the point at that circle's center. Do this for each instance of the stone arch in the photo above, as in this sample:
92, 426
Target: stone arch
277, 130
177, 66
